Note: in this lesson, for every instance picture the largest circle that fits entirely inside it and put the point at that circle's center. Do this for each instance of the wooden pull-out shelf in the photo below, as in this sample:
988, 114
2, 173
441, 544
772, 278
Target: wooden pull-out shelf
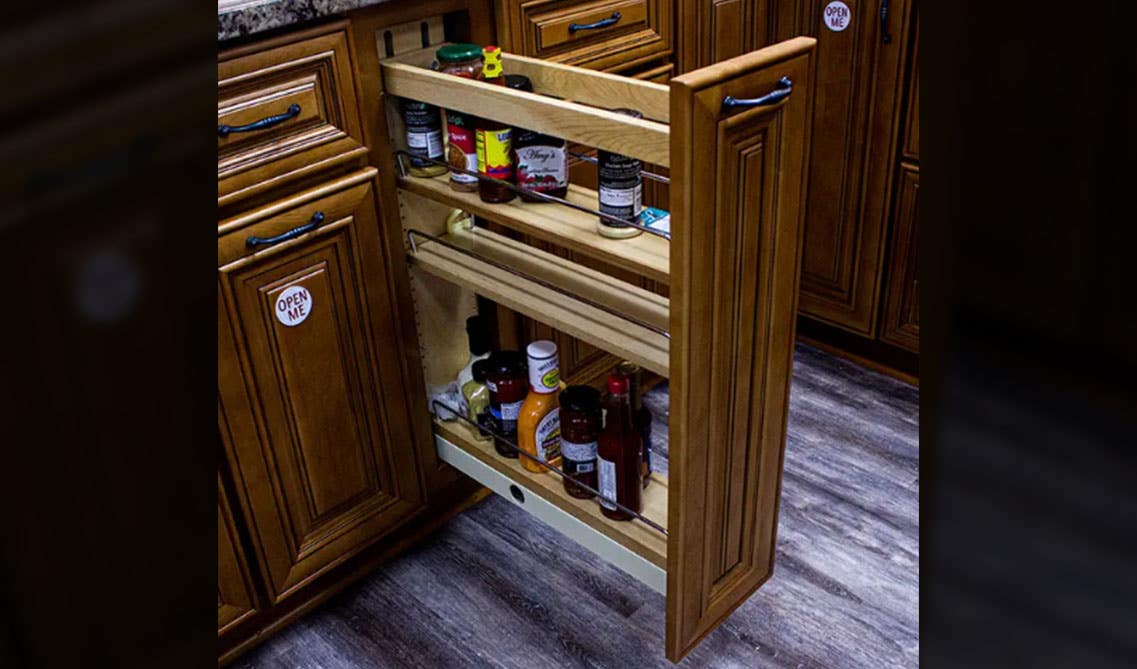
631, 545
561, 310
646, 255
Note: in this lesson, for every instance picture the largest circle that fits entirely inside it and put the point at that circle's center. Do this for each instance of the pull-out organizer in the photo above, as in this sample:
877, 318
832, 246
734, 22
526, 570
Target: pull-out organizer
734, 136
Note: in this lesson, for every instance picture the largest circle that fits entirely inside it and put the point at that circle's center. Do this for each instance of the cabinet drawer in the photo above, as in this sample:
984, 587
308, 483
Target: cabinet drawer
285, 109
601, 34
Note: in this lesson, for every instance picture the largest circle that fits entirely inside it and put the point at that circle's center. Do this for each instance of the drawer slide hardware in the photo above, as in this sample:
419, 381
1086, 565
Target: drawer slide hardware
266, 122
512, 446
400, 154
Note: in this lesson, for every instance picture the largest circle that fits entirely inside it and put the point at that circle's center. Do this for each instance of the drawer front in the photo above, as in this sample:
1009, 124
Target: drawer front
284, 112
602, 34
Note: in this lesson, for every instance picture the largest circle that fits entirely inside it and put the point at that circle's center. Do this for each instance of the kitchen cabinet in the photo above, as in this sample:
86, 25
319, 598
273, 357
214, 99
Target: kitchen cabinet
724, 337
313, 398
235, 599
901, 322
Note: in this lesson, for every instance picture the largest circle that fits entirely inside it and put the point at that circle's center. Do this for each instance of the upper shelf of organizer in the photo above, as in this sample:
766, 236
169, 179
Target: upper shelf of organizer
569, 102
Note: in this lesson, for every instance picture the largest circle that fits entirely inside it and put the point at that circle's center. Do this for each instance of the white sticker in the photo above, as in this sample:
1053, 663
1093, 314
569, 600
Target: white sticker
293, 305
837, 16
607, 480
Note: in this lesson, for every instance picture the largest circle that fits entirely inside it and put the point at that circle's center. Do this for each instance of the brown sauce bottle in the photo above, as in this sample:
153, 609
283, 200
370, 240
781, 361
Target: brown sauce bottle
580, 431
619, 456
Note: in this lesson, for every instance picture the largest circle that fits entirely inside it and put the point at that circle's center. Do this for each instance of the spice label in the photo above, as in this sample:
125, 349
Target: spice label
606, 472
494, 147
293, 305
837, 16
542, 168
462, 151
549, 436
425, 144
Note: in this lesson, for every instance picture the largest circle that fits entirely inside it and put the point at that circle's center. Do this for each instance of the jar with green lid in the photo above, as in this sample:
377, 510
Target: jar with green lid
461, 60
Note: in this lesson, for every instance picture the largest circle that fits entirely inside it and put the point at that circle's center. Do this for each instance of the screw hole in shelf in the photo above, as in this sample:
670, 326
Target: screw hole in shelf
517, 494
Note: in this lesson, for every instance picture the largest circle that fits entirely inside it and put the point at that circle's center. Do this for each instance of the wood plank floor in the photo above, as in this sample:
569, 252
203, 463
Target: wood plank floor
496, 588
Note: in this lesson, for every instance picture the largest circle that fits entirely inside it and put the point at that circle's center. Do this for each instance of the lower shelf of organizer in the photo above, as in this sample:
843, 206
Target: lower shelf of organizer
630, 545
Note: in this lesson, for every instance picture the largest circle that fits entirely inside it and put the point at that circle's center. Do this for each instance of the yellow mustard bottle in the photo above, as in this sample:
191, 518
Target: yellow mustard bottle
539, 423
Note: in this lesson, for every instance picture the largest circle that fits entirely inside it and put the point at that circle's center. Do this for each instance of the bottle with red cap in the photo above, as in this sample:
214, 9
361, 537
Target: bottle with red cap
619, 456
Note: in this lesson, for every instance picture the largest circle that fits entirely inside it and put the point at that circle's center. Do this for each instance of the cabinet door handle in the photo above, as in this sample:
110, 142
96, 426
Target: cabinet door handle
317, 219
603, 23
266, 122
885, 36
781, 91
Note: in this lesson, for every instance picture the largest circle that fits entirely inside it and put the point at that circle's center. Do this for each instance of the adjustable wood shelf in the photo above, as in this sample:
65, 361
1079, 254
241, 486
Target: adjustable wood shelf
735, 136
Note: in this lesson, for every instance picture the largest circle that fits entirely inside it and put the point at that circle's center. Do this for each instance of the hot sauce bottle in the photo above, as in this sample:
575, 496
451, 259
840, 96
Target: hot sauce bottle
641, 415
539, 424
494, 140
580, 430
619, 456
506, 379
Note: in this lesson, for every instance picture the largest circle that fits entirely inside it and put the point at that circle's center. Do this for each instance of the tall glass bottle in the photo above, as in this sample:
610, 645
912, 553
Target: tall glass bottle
641, 415
619, 455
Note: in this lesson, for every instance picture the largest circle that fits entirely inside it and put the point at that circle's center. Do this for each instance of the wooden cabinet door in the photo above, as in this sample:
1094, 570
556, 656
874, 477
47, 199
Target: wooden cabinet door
313, 395
235, 601
852, 157
902, 295
738, 179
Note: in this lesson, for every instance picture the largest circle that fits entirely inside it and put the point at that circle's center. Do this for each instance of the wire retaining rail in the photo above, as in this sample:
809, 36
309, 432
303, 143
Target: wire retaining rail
435, 403
400, 154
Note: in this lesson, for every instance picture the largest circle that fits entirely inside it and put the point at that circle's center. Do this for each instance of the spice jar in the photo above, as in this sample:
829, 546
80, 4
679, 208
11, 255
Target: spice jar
508, 381
424, 137
540, 161
494, 140
461, 60
580, 432
620, 189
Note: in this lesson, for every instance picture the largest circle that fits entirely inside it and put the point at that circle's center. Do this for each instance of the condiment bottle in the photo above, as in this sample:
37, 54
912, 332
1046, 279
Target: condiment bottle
494, 140
618, 456
620, 189
476, 398
580, 430
539, 424
478, 336
540, 161
424, 137
641, 415
508, 384
461, 60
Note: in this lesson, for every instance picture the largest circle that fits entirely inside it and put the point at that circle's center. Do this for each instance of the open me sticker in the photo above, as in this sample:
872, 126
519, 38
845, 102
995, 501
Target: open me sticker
293, 305
837, 16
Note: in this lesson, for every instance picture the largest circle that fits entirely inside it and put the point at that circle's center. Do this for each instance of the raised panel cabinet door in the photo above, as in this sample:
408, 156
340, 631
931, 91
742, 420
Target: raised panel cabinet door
855, 119
310, 381
902, 296
235, 601
738, 180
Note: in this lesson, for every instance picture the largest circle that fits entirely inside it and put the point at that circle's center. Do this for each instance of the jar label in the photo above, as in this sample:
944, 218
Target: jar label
549, 436
542, 168
544, 375
493, 148
462, 151
621, 203
580, 454
426, 145
607, 482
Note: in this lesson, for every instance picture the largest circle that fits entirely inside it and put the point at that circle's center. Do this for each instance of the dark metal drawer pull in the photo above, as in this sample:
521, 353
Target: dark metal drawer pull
781, 91
317, 219
603, 23
267, 122
885, 36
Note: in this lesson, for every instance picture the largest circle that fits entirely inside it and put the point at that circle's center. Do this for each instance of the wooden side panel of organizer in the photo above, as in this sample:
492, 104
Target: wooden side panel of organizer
738, 181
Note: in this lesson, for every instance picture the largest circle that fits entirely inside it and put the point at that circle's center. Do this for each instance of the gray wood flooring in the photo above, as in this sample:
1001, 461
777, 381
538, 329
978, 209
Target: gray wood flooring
496, 588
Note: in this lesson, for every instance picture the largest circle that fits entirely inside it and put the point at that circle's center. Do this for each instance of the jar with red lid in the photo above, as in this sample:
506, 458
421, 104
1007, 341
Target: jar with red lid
580, 431
461, 60
508, 381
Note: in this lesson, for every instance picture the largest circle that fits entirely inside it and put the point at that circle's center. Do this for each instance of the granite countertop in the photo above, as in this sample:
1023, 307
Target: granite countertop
245, 17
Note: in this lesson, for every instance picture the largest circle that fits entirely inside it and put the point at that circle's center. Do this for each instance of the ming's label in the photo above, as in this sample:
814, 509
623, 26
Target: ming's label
494, 147
606, 473
293, 305
541, 168
549, 436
